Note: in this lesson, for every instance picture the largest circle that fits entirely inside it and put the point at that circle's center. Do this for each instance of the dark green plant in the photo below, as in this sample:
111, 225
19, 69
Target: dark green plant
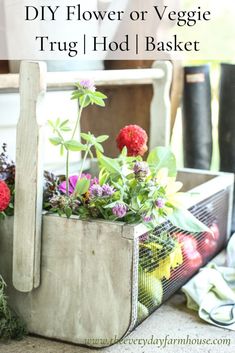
11, 326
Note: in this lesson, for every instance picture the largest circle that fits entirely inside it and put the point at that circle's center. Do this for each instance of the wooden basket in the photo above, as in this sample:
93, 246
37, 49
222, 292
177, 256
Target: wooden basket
89, 269
77, 281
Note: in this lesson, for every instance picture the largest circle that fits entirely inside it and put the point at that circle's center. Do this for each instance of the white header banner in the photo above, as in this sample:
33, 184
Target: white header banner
117, 29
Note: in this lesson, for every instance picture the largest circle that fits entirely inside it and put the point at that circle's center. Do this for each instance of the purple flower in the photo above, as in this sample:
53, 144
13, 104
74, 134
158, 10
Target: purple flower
147, 219
94, 181
72, 183
108, 190
119, 210
160, 202
143, 237
96, 190
141, 170
87, 84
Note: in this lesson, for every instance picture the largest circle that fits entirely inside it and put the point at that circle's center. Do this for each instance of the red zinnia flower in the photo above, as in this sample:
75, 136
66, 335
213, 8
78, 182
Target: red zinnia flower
134, 138
5, 195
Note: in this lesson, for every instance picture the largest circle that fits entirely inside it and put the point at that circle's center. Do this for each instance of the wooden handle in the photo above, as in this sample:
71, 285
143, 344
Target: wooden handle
29, 178
160, 120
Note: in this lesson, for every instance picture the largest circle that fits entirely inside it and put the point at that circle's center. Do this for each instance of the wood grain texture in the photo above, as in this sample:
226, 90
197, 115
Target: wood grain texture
4, 68
65, 80
160, 123
86, 282
29, 178
125, 105
176, 90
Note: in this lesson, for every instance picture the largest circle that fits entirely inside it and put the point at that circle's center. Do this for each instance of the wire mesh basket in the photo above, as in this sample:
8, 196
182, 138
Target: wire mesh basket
170, 256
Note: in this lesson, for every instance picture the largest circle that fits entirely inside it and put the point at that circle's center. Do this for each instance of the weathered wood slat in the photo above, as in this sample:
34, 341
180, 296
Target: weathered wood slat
65, 80
29, 179
160, 122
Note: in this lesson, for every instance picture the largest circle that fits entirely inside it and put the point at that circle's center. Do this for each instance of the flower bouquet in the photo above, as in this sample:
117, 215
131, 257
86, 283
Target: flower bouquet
127, 188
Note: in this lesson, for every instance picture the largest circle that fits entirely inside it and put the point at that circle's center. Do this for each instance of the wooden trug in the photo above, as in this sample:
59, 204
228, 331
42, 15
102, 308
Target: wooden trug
89, 269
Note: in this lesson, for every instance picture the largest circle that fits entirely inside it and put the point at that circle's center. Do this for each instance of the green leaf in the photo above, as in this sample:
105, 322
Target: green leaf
86, 137
51, 123
99, 147
103, 176
102, 138
73, 145
162, 157
82, 186
64, 123
99, 95
77, 94
183, 219
124, 152
111, 205
109, 164
2, 215
84, 101
91, 154
55, 140
65, 128
68, 212
97, 101
57, 122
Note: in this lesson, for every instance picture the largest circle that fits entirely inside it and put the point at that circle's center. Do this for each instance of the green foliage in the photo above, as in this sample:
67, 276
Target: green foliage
138, 192
11, 327
74, 146
162, 157
109, 165
183, 219
82, 186
87, 97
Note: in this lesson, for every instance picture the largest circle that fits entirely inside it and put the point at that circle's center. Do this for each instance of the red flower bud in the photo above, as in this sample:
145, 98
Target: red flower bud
5, 196
134, 138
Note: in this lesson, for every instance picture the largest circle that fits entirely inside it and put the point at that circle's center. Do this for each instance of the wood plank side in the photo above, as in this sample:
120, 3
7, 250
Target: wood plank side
85, 294
29, 179
106, 260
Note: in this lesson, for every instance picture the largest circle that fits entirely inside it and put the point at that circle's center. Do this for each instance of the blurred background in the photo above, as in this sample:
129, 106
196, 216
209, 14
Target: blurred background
127, 105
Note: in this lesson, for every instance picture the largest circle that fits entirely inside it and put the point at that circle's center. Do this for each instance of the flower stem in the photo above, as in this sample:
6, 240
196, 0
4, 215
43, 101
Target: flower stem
82, 166
67, 173
78, 118
67, 157
83, 161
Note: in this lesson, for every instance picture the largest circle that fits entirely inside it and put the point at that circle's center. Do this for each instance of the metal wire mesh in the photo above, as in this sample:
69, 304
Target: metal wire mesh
170, 257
